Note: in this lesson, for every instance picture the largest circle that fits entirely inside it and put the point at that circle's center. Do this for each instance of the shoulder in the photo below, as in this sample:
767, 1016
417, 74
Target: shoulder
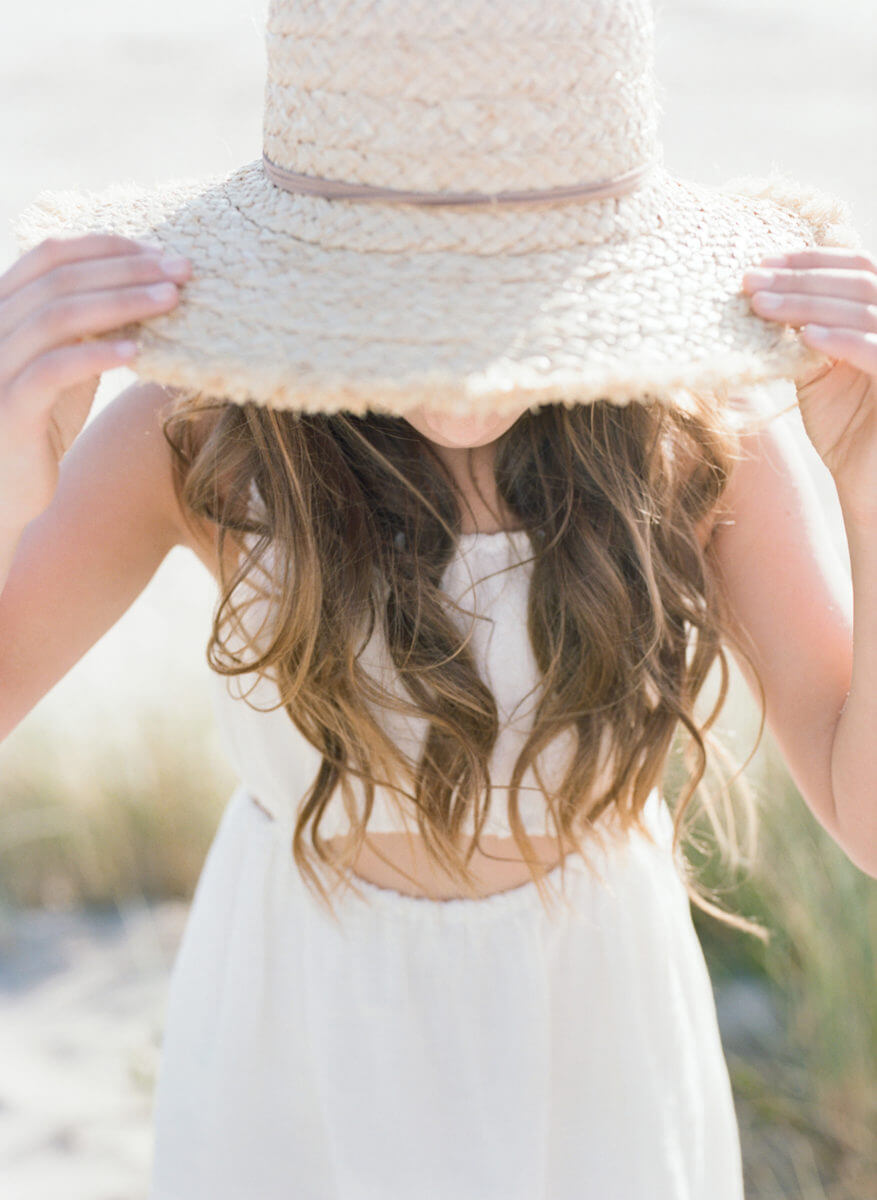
774, 534
145, 407
769, 464
753, 412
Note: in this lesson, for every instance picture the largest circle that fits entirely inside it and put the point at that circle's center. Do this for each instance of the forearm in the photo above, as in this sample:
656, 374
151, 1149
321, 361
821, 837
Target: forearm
854, 750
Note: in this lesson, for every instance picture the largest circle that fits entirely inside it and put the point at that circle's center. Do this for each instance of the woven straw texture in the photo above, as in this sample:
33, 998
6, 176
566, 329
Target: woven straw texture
305, 302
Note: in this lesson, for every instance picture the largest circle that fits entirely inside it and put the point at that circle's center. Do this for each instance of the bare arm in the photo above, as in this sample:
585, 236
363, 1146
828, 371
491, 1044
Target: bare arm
854, 750
82, 562
793, 598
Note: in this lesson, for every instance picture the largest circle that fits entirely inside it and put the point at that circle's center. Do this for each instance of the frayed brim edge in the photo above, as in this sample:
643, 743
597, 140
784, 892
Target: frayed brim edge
826, 216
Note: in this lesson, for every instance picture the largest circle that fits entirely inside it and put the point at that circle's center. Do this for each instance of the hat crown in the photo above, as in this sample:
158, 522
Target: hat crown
461, 95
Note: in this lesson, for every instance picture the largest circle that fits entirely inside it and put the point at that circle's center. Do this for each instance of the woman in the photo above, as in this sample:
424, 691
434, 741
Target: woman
426, 385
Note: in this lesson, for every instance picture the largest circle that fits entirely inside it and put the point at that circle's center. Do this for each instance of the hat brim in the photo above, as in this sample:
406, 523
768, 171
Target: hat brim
300, 302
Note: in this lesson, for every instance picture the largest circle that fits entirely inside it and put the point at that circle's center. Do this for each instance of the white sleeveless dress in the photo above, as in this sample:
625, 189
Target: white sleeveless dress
466, 1049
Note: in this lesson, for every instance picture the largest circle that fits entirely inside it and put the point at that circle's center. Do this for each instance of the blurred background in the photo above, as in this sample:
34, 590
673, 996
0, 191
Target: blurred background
111, 789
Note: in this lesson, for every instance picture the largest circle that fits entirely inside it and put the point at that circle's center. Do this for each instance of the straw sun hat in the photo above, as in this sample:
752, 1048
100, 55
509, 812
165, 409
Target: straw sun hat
460, 204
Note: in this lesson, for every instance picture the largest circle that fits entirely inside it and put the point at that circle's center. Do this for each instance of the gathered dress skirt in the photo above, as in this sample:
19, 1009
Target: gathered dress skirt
466, 1049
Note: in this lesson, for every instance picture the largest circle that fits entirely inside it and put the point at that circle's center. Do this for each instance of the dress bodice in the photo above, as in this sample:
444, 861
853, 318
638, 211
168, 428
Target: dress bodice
488, 577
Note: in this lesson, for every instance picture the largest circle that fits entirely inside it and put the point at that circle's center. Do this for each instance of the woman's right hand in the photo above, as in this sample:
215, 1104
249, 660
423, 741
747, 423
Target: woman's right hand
53, 296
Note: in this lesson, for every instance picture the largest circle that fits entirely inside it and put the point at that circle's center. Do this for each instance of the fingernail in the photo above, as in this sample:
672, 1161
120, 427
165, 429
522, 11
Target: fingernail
767, 299
817, 331
173, 264
162, 291
757, 277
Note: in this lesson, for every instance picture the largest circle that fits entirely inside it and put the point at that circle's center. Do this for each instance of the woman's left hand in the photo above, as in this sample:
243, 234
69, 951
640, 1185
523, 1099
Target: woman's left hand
834, 290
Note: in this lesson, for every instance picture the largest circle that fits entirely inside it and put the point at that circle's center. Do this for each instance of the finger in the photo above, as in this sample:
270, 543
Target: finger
53, 252
856, 346
795, 309
823, 256
845, 285
81, 315
81, 276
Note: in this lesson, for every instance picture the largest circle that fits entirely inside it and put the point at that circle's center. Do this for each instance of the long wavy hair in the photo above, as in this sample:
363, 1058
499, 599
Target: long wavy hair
626, 613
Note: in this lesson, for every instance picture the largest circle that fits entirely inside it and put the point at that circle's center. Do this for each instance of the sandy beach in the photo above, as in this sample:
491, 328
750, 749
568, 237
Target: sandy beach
81, 1010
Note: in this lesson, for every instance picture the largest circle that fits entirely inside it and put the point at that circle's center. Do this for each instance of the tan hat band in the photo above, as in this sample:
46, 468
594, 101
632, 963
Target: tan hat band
331, 189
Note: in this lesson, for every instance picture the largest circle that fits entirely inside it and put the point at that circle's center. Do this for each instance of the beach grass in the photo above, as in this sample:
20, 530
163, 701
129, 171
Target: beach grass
120, 817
